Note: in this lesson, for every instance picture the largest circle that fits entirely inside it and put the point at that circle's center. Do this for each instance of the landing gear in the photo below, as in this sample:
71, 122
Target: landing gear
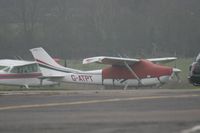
126, 86
24, 86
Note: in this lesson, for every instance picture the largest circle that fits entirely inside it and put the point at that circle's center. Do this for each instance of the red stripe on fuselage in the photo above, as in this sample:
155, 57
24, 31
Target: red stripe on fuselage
17, 76
143, 69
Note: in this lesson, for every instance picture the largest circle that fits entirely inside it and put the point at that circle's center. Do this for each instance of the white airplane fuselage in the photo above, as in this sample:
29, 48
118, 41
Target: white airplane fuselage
25, 80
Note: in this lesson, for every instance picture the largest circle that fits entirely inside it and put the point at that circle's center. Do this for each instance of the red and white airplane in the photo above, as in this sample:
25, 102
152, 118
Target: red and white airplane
121, 72
22, 73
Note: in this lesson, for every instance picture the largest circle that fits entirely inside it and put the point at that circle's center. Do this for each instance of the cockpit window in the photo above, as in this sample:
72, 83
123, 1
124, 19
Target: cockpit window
2, 67
25, 69
6, 69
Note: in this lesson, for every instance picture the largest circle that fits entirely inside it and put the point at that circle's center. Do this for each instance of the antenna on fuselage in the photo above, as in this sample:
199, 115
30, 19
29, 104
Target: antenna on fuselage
18, 57
65, 63
124, 55
175, 63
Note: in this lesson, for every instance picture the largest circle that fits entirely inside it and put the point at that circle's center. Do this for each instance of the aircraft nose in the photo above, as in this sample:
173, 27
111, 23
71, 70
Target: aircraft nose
175, 74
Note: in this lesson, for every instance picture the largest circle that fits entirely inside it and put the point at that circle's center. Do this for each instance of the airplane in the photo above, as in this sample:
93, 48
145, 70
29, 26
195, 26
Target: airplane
125, 72
22, 73
194, 72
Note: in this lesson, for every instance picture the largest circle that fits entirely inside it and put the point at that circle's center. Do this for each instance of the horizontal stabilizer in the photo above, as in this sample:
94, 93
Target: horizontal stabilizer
52, 78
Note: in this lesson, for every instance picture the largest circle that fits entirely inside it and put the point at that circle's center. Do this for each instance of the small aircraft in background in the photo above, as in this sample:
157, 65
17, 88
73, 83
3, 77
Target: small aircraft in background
22, 73
194, 72
125, 72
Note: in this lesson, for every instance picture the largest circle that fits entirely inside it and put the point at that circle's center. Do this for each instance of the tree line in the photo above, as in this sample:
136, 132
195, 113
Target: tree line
83, 28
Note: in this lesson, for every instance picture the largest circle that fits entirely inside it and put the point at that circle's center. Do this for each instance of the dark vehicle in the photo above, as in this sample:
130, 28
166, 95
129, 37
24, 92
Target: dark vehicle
194, 72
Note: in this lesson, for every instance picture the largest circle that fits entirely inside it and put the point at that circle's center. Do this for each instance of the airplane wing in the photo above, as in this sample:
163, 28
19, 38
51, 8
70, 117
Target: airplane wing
110, 60
9, 62
162, 60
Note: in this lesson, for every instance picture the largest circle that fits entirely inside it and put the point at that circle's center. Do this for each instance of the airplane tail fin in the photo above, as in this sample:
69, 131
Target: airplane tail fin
41, 56
48, 66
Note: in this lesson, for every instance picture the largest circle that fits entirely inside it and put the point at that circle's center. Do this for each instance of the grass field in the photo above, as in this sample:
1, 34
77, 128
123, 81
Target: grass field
182, 64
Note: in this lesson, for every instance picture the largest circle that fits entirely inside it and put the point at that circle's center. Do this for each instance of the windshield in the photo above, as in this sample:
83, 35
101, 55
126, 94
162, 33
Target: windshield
6, 69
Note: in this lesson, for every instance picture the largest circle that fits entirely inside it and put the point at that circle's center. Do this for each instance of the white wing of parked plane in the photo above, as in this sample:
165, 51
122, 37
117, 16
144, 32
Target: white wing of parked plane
121, 61
9, 62
110, 60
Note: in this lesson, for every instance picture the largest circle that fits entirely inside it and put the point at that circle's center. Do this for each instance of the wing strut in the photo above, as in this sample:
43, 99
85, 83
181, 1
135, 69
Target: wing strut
134, 74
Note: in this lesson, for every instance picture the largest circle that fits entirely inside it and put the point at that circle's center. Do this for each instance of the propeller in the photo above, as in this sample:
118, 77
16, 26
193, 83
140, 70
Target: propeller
176, 71
175, 74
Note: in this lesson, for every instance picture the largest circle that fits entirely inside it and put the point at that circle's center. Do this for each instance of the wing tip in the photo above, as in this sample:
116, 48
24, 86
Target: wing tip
97, 59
